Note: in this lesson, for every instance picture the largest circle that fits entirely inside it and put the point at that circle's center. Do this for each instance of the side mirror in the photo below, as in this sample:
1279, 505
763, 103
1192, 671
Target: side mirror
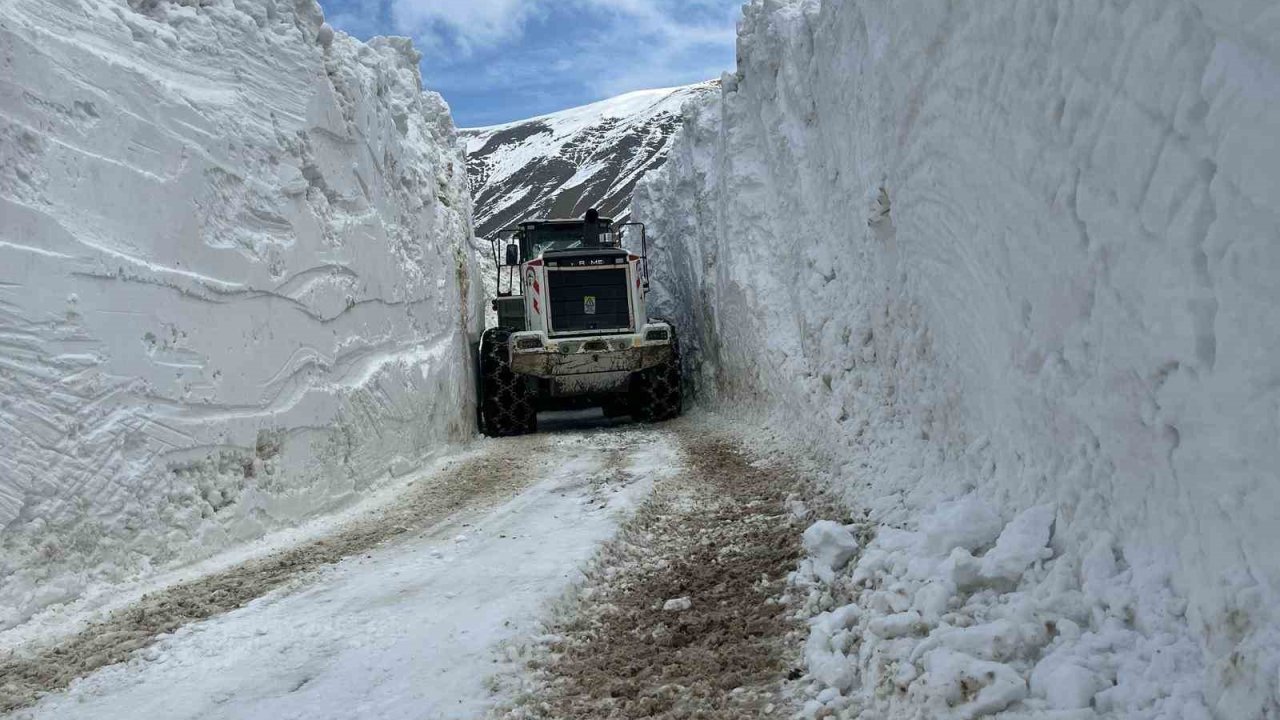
513, 254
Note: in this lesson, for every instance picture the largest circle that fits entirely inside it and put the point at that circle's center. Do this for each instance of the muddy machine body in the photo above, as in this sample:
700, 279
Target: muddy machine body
573, 329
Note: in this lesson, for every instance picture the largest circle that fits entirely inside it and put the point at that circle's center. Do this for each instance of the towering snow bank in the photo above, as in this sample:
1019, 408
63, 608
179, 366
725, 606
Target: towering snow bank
233, 280
1018, 255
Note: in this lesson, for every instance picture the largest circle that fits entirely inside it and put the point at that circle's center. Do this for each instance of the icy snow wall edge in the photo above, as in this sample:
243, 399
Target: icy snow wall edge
1025, 248
234, 281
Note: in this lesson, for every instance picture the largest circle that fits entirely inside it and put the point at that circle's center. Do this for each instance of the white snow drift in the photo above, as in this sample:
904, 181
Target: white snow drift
1011, 268
233, 280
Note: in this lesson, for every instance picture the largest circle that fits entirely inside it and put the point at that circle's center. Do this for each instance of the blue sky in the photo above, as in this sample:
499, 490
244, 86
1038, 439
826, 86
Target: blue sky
502, 60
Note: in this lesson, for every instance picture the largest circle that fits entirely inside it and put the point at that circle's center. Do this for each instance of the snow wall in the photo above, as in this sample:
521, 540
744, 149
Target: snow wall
234, 280
1025, 255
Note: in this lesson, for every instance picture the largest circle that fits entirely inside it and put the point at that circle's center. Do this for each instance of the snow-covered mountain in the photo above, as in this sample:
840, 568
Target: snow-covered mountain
563, 163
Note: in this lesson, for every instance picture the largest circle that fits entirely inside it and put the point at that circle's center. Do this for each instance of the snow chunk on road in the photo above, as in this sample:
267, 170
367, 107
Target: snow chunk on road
955, 685
1066, 686
1000, 640
969, 523
830, 638
829, 546
1021, 543
677, 605
897, 625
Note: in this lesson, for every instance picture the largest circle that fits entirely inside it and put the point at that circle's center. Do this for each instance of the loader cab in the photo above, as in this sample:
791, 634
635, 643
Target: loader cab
531, 240
541, 236
525, 252
573, 329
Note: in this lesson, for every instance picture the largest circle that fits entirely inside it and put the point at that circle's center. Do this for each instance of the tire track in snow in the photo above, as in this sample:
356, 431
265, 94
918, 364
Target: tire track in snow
27, 673
678, 616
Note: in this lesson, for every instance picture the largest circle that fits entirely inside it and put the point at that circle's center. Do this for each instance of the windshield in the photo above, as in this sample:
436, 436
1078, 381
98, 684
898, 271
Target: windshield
538, 239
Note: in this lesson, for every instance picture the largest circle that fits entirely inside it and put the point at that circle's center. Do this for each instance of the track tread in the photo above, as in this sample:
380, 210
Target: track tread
507, 402
656, 393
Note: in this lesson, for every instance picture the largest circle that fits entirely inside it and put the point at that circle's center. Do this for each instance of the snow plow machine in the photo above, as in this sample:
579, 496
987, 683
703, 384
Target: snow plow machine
572, 329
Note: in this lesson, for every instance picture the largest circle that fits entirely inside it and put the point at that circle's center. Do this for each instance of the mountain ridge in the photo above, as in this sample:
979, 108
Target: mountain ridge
562, 163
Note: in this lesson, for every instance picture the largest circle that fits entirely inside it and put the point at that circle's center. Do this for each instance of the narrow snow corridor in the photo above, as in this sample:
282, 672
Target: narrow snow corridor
409, 629
950, 331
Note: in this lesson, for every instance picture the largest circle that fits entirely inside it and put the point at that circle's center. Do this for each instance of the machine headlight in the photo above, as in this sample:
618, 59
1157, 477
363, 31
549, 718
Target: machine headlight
657, 335
529, 343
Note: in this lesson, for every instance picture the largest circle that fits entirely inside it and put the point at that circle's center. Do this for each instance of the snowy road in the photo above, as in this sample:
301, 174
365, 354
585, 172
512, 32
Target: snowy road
407, 630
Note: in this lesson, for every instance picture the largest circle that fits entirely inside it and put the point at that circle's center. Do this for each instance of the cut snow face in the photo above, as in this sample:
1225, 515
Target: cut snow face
1008, 274
234, 286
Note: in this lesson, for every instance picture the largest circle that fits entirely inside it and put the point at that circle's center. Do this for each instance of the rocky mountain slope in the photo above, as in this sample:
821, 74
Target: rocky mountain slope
563, 163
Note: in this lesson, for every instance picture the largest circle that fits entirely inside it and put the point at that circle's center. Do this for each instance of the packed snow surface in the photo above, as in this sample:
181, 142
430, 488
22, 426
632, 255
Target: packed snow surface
1009, 271
415, 630
234, 281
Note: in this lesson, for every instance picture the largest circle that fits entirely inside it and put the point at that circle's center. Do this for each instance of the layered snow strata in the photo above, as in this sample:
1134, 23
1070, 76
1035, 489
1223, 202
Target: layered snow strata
234, 280
1020, 257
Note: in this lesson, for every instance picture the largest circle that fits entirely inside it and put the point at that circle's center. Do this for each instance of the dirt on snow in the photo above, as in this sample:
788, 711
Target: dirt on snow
29, 672
678, 616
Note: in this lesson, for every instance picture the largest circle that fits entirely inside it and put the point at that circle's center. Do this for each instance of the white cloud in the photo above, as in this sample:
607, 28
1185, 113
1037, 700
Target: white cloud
518, 58
668, 42
470, 24
361, 18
